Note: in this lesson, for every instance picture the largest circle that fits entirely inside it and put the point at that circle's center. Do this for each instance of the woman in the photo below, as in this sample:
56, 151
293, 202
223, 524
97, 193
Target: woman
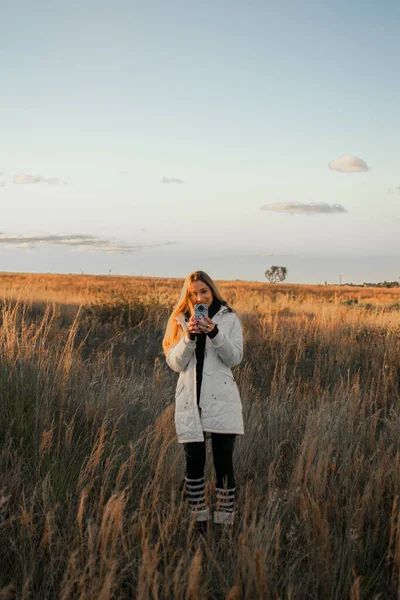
207, 398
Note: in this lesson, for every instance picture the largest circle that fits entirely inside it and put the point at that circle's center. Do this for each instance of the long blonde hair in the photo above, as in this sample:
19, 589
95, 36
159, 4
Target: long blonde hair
174, 332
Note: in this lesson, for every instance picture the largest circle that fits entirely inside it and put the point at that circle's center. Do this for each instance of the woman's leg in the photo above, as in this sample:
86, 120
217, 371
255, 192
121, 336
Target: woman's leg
222, 446
195, 481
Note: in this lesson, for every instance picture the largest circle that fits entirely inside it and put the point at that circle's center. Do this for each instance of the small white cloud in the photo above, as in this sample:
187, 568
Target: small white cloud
75, 242
395, 190
169, 180
260, 254
349, 164
23, 179
2, 183
308, 209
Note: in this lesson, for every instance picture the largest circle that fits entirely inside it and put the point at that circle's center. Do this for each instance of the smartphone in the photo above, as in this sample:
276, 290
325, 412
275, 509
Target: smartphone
200, 311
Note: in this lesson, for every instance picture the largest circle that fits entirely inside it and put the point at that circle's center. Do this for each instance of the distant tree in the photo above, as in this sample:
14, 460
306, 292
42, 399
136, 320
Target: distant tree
276, 274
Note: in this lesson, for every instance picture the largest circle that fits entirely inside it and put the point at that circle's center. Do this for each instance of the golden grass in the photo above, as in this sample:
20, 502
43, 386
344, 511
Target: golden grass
90, 469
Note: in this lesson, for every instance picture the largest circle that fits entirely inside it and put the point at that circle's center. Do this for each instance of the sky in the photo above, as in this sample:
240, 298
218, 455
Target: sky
155, 138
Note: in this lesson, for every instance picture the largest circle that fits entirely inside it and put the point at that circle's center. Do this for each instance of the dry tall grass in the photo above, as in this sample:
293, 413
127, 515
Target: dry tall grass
90, 469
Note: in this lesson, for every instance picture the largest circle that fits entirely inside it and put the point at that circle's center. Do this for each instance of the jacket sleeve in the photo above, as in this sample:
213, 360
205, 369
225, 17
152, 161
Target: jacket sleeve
230, 348
178, 357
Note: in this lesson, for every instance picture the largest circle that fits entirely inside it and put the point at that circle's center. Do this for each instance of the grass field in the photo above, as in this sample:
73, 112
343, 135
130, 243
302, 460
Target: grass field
90, 468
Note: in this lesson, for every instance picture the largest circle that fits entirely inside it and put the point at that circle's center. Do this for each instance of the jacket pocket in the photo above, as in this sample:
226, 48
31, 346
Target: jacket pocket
224, 386
227, 373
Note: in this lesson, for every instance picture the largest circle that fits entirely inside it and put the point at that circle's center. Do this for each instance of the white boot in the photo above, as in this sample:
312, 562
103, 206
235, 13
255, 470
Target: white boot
195, 492
224, 512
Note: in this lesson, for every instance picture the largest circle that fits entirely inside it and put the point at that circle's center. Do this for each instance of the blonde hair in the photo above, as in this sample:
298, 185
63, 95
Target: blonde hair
174, 332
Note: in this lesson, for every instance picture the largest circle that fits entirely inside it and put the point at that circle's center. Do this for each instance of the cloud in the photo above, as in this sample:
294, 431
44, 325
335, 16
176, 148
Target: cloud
2, 183
75, 242
171, 180
349, 164
308, 209
262, 254
35, 179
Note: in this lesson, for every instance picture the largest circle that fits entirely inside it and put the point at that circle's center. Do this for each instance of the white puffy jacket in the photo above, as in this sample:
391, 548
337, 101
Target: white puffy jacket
221, 407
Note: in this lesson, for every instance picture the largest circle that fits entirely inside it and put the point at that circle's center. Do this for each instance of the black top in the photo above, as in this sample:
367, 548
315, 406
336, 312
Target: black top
201, 344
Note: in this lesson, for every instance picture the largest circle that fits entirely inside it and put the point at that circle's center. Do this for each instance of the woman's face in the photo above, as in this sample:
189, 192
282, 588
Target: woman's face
200, 293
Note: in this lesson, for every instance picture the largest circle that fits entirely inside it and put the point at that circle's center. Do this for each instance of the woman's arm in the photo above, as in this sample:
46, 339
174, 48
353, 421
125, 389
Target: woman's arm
178, 357
230, 349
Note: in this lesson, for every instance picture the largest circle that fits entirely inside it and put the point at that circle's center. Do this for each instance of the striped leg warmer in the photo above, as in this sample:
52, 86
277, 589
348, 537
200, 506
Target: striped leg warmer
195, 491
224, 512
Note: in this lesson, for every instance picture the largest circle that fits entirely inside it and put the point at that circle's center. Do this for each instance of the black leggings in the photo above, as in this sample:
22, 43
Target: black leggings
222, 448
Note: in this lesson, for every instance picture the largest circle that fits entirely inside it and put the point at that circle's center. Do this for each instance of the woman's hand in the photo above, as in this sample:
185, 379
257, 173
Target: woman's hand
192, 326
207, 325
